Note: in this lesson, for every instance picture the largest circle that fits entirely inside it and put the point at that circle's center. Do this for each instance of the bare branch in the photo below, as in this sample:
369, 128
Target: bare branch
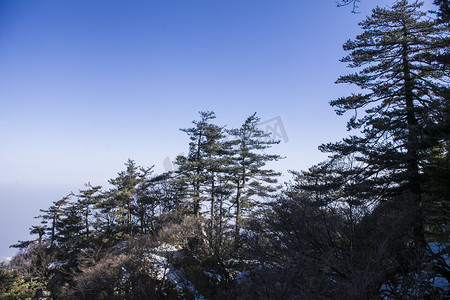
353, 3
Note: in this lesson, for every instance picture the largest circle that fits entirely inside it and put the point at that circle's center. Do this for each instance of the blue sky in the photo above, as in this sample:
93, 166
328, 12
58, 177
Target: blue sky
85, 85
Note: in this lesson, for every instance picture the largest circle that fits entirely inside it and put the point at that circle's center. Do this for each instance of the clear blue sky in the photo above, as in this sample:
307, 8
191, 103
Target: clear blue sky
87, 84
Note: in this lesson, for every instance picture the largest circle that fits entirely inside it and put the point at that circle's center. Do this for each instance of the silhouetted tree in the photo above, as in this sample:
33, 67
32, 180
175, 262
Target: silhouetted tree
205, 138
251, 181
401, 100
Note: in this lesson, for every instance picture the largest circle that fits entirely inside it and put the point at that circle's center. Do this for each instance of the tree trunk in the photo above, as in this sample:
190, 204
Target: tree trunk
87, 221
237, 229
412, 163
212, 204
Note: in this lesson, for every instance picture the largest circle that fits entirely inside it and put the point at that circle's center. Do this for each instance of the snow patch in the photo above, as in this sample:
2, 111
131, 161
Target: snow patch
57, 264
165, 270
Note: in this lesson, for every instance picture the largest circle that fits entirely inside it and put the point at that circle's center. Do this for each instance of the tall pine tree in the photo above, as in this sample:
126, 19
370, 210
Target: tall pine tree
251, 181
401, 100
197, 168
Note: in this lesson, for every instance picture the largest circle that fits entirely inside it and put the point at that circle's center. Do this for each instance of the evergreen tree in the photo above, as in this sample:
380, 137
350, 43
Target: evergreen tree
70, 227
251, 182
123, 193
39, 230
143, 201
123, 197
14, 286
87, 199
436, 193
169, 191
196, 166
444, 9
53, 215
217, 162
401, 100
335, 184
336, 187
105, 216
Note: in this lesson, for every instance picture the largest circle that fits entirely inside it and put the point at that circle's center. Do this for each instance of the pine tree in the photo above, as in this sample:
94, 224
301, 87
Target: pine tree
123, 200
251, 182
143, 201
87, 199
15, 286
197, 168
444, 9
401, 98
53, 215
217, 162
70, 227
336, 187
337, 184
169, 191
40, 231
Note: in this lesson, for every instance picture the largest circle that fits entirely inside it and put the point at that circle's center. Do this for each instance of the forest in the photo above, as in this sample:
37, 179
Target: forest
370, 222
